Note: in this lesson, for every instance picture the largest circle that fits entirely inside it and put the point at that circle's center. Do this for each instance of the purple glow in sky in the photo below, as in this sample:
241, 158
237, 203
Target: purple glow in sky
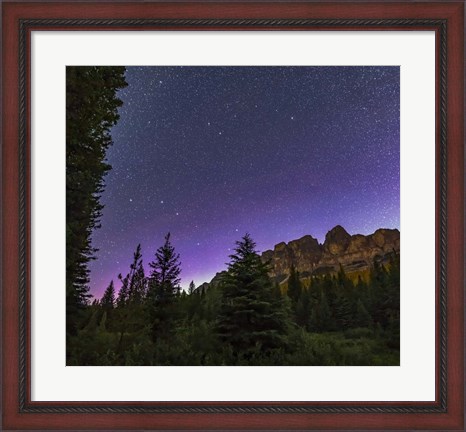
210, 153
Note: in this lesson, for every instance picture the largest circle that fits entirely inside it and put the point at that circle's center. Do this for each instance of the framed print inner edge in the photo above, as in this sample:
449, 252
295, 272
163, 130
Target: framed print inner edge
25, 403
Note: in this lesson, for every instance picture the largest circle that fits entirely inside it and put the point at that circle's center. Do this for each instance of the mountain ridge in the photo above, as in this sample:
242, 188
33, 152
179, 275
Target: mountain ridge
354, 253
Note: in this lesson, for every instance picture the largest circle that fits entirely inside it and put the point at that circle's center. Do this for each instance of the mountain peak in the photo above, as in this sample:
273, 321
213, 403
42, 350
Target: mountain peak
337, 240
338, 229
355, 253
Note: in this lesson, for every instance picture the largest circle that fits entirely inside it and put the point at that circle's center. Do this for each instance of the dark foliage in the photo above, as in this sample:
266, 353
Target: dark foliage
243, 320
91, 110
164, 288
252, 320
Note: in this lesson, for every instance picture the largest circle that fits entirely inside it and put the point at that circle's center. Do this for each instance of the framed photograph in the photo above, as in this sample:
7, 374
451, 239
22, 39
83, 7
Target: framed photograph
233, 216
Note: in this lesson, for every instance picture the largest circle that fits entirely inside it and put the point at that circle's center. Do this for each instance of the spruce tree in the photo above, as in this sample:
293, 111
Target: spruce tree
303, 309
323, 317
91, 111
294, 285
108, 299
137, 279
363, 318
130, 298
252, 319
192, 287
133, 285
123, 292
164, 287
343, 312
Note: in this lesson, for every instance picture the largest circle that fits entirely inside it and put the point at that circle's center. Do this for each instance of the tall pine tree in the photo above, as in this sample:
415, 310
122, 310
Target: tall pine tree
91, 111
108, 299
192, 287
164, 287
130, 298
294, 285
252, 319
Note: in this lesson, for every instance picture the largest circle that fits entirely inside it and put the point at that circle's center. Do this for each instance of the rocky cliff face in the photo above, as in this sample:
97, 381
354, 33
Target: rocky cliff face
355, 253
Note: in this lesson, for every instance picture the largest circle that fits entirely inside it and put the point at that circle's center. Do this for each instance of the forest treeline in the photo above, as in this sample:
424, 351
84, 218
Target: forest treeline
91, 111
245, 319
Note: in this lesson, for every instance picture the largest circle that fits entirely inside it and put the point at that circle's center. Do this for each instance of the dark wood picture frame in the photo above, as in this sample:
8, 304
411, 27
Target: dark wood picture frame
20, 18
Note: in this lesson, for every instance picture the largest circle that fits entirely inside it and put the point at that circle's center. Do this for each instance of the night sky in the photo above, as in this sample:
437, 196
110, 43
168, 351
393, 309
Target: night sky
210, 153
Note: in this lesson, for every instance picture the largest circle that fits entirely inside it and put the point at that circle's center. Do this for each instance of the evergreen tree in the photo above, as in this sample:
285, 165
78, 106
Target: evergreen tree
378, 287
343, 312
91, 111
123, 292
108, 299
133, 285
294, 285
322, 316
130, 299
363, 319
392, 294
303, 309
137, 279
164, 287
192, 287
251, 318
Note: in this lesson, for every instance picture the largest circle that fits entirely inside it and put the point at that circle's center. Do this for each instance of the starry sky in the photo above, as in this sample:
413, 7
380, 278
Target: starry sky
210, 153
